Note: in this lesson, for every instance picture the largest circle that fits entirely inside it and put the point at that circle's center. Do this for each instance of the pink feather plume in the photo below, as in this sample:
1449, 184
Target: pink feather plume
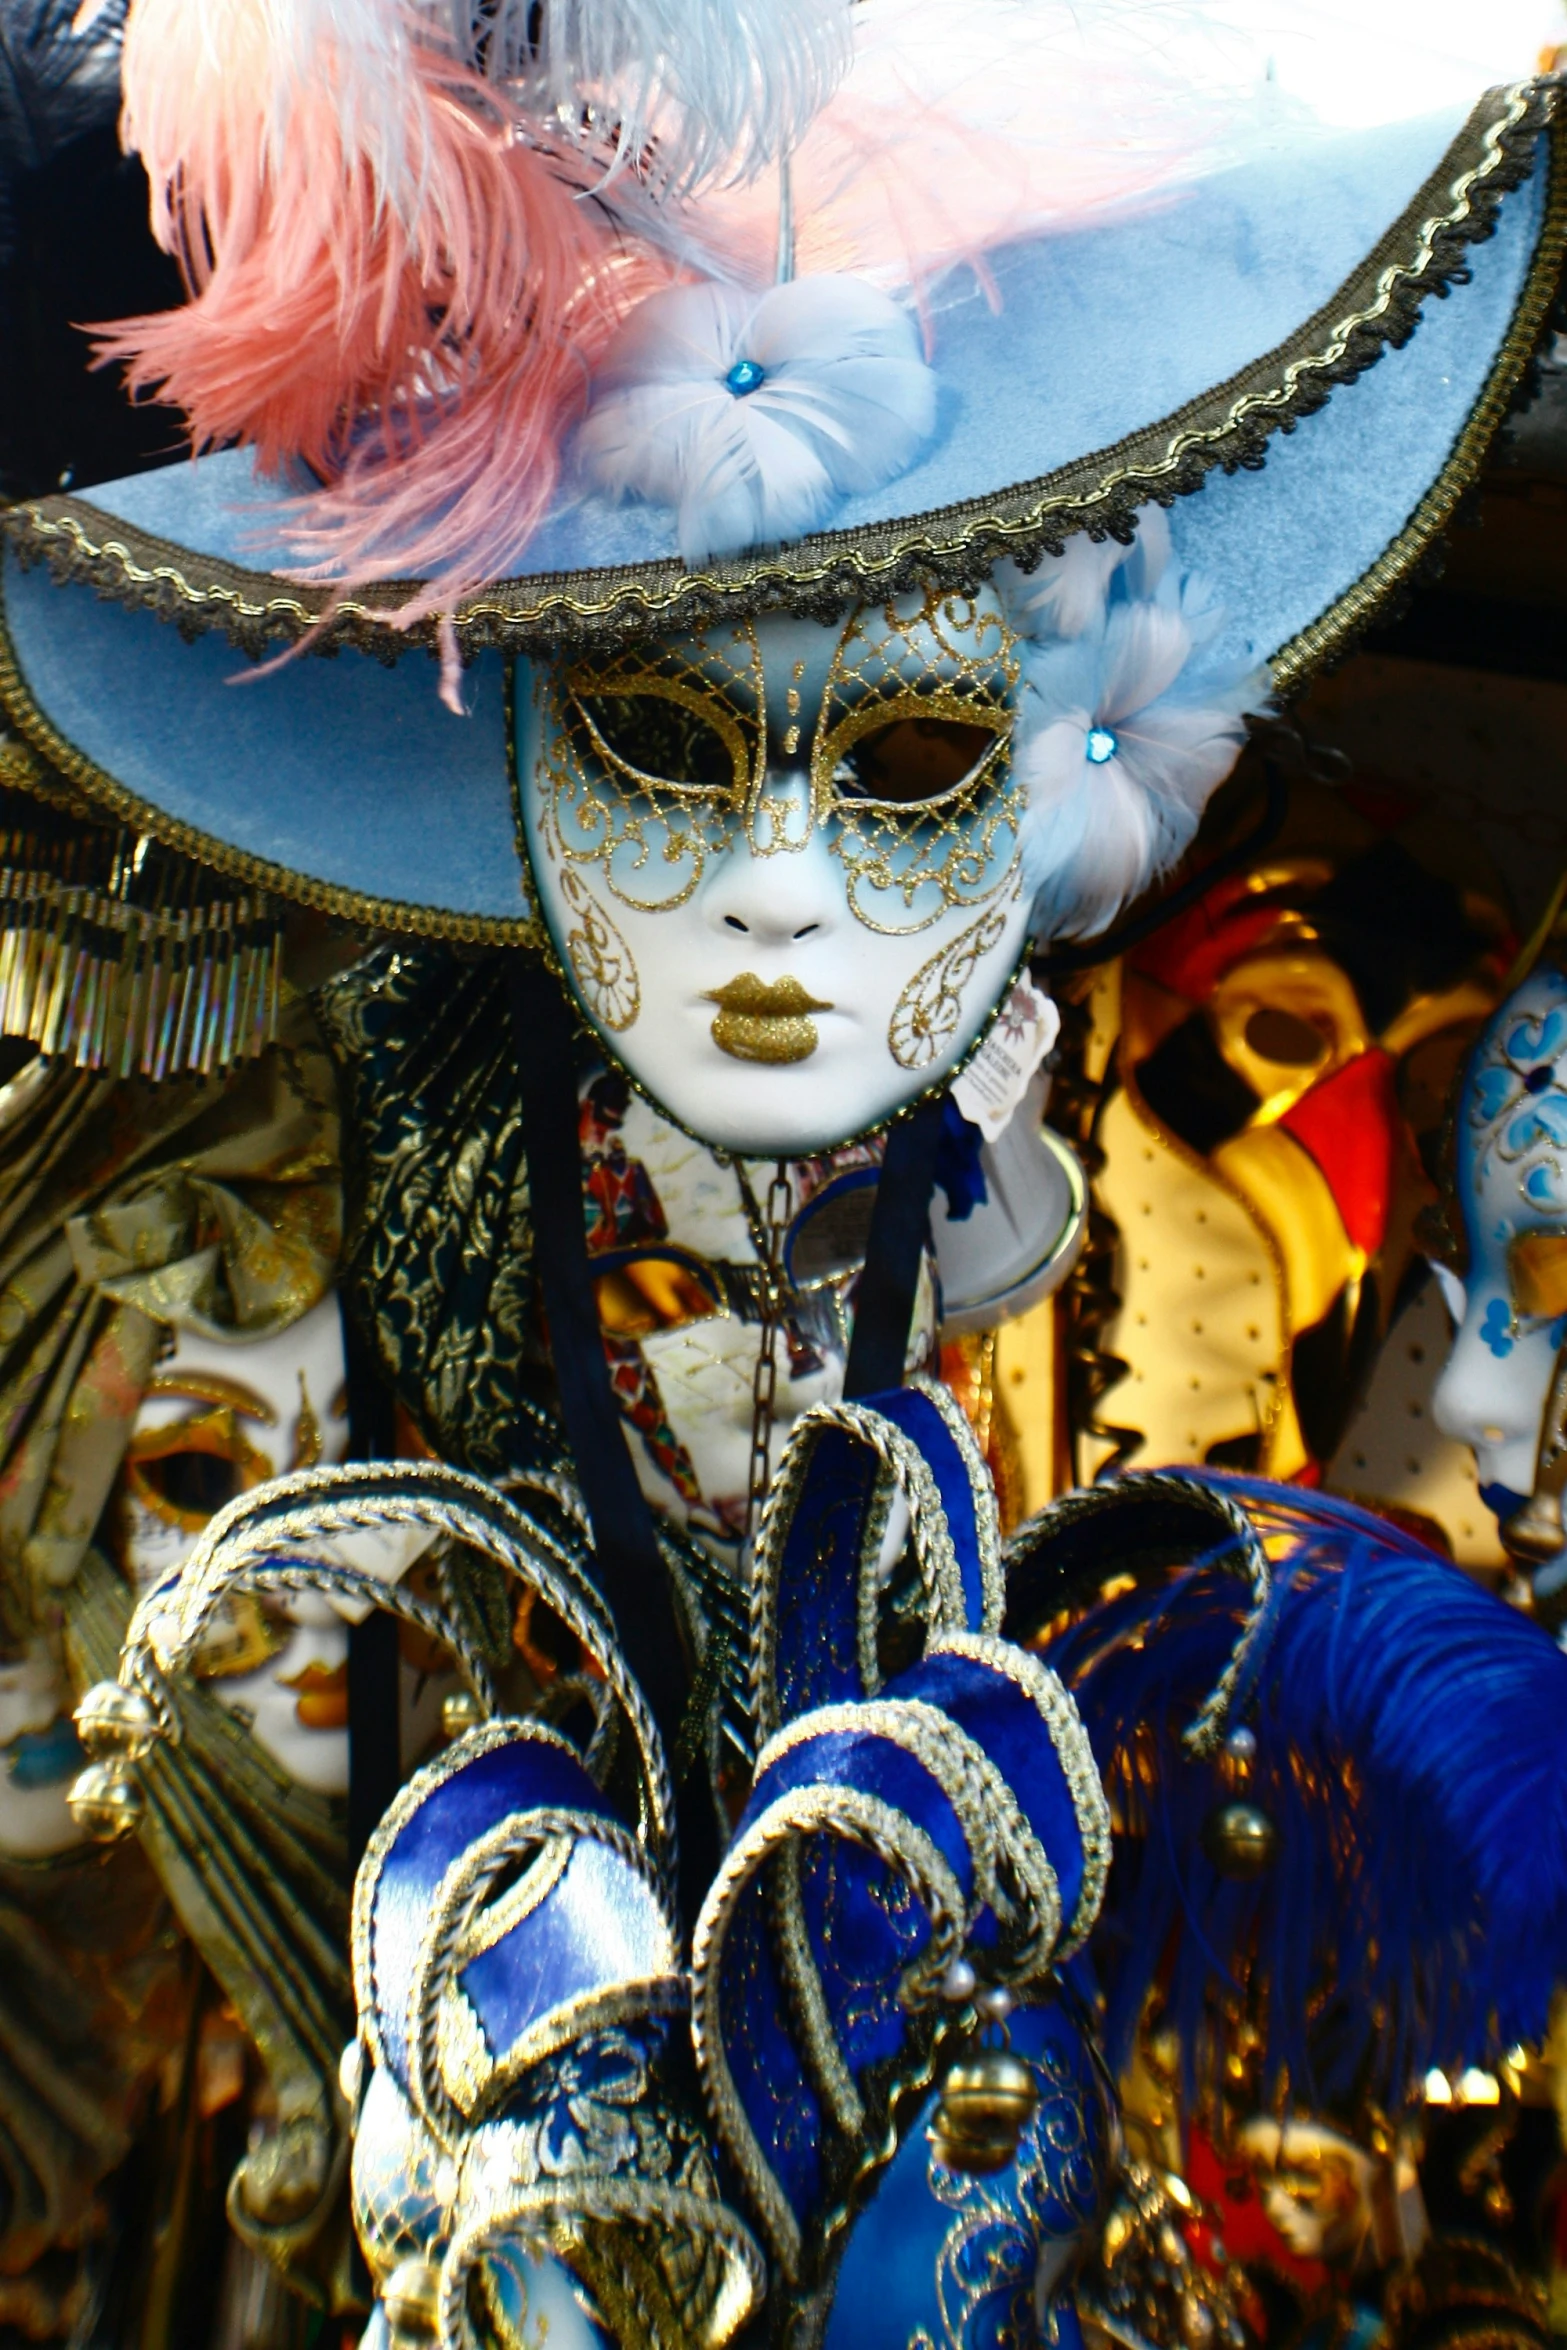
395, 278
410, 305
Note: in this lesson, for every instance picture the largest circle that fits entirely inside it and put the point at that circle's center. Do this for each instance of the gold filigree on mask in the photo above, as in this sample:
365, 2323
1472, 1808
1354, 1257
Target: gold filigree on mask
601, 962
927, 1014
653, 760
185, 1471
648, 759
910, 762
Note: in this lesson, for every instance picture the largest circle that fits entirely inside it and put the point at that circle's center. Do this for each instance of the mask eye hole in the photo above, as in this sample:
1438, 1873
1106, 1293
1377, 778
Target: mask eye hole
912, 760
187, 1470
658, 739
188, 1488
1276, 1035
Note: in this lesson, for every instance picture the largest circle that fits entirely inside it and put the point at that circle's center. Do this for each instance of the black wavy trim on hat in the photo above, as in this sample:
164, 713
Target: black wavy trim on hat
1227, 428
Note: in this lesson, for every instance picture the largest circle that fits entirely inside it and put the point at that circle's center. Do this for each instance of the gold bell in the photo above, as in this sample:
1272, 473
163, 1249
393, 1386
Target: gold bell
1240, 1840
987, 2102
411, 2298
114, 1720
105, 1802
281, 2181
460, 1713
1535, 1533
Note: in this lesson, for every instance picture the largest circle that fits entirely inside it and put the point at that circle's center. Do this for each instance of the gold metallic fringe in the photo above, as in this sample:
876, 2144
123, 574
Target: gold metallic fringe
114, 959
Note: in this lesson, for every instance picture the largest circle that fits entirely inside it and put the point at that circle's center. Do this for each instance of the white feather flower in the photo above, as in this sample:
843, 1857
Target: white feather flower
1065, 594
1123, 731
753, 417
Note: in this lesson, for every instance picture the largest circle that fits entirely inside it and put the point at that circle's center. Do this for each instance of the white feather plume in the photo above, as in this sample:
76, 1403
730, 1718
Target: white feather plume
845, 404
689, 91
1124, 729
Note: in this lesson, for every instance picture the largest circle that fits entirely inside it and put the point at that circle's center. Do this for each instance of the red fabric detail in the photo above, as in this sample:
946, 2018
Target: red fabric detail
1192, 953
1386, 805
1240, 2222
1350, 1125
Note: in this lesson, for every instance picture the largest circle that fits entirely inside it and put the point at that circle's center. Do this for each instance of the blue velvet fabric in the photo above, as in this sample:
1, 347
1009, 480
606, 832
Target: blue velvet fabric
519, 1776
770, 2081
1281, 545
866, 1759
939, 2257
599, 1923
819, 1576
1099, 332
1002, 1718
354, 775
341, 770
863, 1924
920, 1421
818, 1584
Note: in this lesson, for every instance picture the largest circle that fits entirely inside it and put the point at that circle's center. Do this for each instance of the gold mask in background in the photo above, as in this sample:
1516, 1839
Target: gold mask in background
1286, 1049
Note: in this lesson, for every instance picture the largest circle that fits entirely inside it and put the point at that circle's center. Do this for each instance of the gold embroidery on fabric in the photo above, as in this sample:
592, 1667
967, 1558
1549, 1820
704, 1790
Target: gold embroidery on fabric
929, 1532
1058, 1709
809, 1811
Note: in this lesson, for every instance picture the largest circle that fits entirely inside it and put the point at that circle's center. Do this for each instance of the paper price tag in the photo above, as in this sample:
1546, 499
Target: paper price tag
996, 1079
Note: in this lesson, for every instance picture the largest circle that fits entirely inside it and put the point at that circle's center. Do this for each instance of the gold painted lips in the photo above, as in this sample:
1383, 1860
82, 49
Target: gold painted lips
762, 1020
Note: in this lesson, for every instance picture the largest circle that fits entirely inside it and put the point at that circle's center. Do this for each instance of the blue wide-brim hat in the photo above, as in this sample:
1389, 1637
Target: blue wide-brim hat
1263, 352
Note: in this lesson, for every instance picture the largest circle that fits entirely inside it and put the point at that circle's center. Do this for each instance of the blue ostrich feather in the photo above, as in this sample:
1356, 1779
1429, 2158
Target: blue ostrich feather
1411, 1751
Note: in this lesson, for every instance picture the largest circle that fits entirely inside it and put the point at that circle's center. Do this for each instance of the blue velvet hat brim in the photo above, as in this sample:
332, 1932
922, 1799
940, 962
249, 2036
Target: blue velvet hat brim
1228, 314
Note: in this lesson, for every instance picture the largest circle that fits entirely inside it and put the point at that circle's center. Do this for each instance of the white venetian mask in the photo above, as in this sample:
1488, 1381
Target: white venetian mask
1512, 1188
780, 860
217, 1421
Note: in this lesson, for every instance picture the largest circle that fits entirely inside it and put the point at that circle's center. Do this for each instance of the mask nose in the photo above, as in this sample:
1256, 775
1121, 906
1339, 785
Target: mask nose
779, 882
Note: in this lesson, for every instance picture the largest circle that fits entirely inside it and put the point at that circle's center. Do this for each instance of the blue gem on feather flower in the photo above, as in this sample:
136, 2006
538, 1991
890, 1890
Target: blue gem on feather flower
1100, 746
752, 416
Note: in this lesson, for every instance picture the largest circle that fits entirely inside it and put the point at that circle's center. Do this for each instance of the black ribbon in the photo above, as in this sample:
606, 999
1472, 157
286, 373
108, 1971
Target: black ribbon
628, 1566
375, 1761
900, 1226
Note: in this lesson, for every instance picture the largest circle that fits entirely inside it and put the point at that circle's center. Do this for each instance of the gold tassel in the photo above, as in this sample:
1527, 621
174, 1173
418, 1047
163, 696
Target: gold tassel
116, 956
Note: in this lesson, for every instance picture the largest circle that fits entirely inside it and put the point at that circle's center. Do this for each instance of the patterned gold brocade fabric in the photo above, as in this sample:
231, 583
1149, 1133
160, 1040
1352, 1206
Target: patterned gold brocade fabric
256, 1867
438, 1253
126, 1209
